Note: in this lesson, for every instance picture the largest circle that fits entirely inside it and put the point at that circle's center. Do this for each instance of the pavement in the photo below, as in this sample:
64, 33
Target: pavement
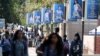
32, 51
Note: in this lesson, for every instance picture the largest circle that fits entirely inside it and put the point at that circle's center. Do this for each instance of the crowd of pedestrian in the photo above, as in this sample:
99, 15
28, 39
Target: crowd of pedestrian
55, 45
16, 43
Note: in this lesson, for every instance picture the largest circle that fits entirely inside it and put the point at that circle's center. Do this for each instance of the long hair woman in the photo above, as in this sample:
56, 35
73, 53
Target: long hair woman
76, 46
51, 47
19, 46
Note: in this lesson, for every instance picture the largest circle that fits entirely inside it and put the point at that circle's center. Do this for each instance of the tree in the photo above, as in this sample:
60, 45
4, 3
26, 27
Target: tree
11, 10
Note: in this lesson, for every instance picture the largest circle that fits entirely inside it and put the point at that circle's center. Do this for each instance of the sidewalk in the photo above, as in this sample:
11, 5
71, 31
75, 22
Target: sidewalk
32, 51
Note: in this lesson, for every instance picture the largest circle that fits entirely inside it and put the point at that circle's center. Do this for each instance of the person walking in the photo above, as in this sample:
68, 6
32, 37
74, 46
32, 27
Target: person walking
53, 46
66, 45
38, 40
57, 30
76, 46
6, 44
19, 46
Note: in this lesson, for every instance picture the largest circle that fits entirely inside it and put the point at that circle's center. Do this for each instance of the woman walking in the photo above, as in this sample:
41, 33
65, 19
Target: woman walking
51, 47
76, 46
19, 46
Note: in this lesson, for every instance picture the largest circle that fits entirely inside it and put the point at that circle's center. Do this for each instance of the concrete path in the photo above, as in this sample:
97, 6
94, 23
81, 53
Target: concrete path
32, 51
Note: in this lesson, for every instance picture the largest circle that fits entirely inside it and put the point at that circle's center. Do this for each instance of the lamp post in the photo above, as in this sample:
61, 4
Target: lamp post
41, 29
82, 29
83, 12
95, 39
51, 26
64, 27
65, 16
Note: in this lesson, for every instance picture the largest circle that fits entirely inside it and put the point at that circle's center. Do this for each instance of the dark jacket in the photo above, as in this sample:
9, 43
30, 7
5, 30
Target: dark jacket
76, 48
6, 45
40, 48
66, 47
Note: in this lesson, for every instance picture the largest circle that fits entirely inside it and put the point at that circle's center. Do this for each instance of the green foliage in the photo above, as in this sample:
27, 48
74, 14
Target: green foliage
23, 21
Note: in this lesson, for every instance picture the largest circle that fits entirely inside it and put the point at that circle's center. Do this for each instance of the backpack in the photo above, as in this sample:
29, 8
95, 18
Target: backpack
76, 48
66, 47
6, 45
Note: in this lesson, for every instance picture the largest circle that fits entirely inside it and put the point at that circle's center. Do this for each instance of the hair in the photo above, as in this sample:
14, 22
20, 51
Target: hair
16, 35
57, 30
59, 45
37, 34
65, 36
78, 36
6, 34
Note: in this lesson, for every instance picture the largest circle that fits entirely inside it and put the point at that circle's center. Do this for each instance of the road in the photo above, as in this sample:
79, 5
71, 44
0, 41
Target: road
31, 51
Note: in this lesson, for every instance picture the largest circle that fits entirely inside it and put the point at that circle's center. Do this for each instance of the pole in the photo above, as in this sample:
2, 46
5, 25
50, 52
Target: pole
51, 27
42, 30
65, 17
82, 30
95, 40
83, 12
37, 26
82, 35
47, 28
